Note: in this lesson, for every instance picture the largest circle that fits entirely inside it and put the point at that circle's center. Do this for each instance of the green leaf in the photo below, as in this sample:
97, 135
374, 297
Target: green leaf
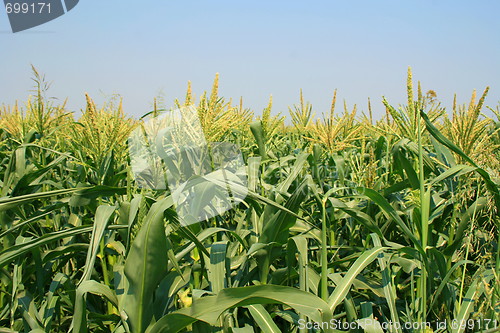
253, 172
85, 195
276, 229
29, 178
446, 280
79, 323
358, 215
476, 289
209, 309
465, 220
217, 266
390, 212
102, 216
168, 288
16, 251
408, 168
389, 288
263, 319
7, 203
454, 171
145, 267
492, 187
171, 323
258, 133
38, 216
357, 267
294, 173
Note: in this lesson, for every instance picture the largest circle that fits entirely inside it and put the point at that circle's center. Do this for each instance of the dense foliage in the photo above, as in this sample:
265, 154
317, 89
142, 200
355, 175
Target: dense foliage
346, 219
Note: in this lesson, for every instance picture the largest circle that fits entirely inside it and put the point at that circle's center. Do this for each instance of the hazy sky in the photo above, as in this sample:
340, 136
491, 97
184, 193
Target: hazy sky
140, 49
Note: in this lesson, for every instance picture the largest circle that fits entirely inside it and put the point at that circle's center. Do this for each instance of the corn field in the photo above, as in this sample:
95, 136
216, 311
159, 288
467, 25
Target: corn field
349, 223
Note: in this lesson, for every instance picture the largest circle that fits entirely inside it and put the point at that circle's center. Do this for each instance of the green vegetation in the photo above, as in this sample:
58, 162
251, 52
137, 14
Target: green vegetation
346, 219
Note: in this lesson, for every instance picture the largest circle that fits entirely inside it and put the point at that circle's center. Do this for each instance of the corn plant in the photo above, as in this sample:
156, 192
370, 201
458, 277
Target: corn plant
344, 221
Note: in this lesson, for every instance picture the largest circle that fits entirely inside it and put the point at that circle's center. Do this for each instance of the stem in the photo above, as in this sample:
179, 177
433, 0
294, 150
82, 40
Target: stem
104, 266
497, 269
303, 285
464, 270
324, 257
424, 217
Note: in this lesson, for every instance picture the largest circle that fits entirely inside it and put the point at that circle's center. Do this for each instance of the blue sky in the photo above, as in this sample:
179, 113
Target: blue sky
362, 48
